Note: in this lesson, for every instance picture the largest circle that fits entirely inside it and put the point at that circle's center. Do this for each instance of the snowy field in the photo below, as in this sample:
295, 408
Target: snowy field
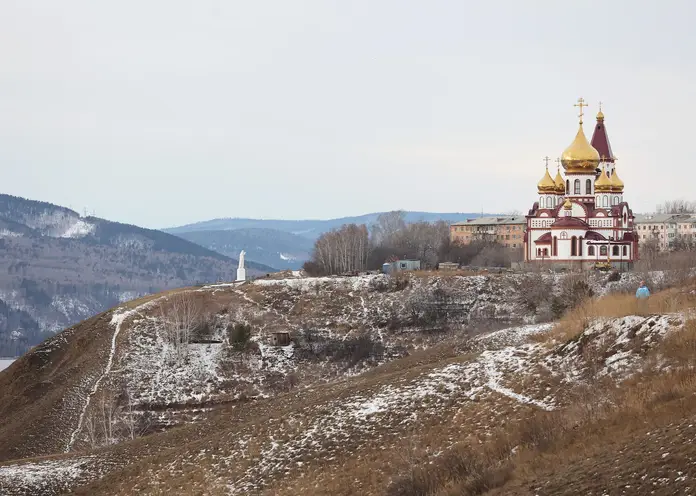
5, 362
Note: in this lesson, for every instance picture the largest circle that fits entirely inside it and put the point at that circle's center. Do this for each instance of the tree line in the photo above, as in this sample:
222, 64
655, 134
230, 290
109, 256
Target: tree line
355, 248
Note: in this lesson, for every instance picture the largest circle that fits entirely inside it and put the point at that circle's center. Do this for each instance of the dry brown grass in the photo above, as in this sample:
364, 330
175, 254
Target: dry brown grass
616, 305
546, 447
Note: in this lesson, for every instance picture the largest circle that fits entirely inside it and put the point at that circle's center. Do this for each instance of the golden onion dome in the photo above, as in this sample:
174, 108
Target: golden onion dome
568, 205
580, 157
600, 116
617, 185
546, 185
560, 183
603, 183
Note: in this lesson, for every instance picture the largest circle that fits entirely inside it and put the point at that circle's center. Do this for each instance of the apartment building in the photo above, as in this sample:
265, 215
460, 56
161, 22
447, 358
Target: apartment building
508, 231
666, 229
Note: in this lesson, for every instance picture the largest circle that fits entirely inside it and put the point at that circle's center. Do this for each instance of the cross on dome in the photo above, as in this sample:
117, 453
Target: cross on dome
546, 159
581, 103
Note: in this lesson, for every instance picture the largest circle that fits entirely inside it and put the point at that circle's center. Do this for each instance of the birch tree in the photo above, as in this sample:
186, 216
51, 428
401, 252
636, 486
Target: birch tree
179, 316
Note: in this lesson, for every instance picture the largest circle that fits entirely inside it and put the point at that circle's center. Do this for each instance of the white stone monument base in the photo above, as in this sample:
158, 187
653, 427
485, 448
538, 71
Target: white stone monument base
241, 274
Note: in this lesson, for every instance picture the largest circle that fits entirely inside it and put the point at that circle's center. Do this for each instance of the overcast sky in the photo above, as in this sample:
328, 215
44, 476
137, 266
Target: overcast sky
165, 112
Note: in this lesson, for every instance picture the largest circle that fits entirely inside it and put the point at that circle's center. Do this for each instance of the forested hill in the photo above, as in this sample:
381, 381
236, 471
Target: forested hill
313, 228
57, 268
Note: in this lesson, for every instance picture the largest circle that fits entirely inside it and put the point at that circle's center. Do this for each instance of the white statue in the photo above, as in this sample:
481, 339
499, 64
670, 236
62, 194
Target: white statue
241, 271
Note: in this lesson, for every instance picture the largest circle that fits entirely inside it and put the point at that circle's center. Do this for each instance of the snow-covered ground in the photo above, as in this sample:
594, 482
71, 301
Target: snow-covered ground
5, 362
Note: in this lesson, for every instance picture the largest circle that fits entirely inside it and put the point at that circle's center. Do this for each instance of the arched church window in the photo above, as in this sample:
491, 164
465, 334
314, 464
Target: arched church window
605, 201
567, 186
598, 202
580, 246
616, 200
576, 186
625, 251
591, 251
588, 187
549, 202
615, 251
554, 248
573, 246
603, 250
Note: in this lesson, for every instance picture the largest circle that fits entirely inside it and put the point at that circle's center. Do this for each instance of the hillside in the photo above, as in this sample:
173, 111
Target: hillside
57, 268
310, 229
278, 249
419, 385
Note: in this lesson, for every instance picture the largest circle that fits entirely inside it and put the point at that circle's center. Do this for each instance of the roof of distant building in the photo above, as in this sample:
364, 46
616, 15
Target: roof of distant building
487, 221
662, 218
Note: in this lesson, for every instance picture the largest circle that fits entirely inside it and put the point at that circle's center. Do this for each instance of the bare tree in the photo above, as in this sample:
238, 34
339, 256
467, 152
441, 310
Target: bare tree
676, 207
387, 226
180, 314
342, 250
91, 429
108, 409
134, 424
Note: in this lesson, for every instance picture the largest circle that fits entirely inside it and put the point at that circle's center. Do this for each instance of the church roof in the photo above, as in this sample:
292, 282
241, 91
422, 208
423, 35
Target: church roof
594, 236
544, 239
600, 140
486, 221
570, 222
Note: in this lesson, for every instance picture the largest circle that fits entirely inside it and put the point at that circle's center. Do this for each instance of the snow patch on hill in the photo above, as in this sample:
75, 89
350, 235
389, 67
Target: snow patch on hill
42, 477
78, 229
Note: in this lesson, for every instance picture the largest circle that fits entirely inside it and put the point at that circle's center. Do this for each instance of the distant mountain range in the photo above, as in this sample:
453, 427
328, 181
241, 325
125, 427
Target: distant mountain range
278, 249
57, 268
282, 244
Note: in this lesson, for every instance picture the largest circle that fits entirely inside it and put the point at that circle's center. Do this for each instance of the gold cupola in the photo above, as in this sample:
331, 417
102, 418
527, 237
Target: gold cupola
617, 185
560, 183
580, 157
546, 185
603, 183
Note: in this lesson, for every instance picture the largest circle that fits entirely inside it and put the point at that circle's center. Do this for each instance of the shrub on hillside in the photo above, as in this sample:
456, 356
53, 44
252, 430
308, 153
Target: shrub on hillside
534, 291
313, 269
238, 335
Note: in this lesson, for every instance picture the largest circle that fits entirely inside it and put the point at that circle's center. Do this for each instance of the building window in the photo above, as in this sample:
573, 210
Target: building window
576, 186
590, 251
615, 251
554, 247
588, 187
603, 250
567, 186
605, 202
616, 200
574, 246
625, 251
580, 246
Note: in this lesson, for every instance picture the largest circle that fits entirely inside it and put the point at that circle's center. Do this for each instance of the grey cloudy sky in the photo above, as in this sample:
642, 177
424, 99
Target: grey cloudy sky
164, 112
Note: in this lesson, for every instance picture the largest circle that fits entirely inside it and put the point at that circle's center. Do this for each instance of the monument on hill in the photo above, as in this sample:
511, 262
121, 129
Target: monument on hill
241, 271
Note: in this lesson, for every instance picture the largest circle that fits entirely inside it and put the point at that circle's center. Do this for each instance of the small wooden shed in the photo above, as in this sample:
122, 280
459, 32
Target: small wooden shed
280, 338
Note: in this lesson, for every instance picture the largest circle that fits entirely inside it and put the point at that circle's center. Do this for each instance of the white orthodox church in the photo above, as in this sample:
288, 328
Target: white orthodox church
582, 218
